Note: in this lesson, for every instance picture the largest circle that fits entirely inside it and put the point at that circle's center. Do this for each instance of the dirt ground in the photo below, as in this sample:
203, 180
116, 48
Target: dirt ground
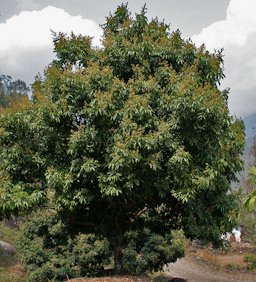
199, 265
208, 265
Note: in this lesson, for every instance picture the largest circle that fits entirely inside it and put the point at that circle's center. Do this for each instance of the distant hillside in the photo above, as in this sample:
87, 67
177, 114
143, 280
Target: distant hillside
250, 131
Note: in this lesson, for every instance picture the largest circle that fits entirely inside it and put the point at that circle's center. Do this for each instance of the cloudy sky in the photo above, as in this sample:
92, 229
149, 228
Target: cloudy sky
26, 40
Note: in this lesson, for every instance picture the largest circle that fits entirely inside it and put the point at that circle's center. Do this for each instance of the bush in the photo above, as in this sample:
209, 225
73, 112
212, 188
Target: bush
90, 253
49, 252
147, 251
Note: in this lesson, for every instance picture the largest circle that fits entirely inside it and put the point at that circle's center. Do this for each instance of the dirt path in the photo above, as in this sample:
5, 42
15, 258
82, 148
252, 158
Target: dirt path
193, 268
196, 271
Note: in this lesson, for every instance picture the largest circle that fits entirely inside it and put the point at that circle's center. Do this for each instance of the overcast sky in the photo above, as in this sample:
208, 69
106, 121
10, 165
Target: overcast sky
26, 40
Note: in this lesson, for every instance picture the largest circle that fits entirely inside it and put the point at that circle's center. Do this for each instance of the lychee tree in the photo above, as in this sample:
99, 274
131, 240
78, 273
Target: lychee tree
134, 134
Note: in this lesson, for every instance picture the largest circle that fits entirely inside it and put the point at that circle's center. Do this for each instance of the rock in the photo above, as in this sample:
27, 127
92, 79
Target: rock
7, 249
165, 277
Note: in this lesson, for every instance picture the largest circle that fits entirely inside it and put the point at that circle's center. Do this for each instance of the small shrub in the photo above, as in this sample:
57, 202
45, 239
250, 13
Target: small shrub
147, 251
90, 254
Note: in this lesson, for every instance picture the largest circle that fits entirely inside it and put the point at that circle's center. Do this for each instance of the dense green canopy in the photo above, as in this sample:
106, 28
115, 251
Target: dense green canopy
133, 134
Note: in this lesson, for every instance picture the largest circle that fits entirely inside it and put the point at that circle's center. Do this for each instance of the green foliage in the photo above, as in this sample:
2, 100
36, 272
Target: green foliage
147, 251
135, 134
71, 52
49, 252
250, 199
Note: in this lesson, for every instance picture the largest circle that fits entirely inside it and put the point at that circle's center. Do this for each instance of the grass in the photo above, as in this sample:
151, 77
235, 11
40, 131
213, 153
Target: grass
9, 235
11, 269
251, 261
234, 266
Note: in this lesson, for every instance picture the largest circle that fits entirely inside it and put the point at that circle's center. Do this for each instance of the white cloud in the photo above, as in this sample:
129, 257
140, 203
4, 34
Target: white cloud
235, 30
26, 39
237, 34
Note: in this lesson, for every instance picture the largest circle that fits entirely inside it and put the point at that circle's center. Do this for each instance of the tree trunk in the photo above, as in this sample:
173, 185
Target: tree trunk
118, 253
